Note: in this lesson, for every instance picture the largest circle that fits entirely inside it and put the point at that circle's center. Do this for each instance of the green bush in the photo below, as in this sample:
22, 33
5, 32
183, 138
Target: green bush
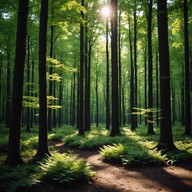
20, 176
114, 152
64, 168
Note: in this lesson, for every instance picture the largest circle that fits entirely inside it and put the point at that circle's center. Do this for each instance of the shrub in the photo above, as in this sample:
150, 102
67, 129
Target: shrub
64, 168
114, 152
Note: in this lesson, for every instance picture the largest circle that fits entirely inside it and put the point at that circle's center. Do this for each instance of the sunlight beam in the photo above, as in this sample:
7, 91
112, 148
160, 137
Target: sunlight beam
106, 11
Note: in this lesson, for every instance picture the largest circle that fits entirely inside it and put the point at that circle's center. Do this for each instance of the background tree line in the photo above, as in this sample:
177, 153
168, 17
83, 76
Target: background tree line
75, 69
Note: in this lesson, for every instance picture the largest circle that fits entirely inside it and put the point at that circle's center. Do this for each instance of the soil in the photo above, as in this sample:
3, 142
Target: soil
116, 178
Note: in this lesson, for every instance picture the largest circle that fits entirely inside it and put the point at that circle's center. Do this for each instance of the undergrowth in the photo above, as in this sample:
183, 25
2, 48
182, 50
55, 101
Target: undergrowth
58, 169
129, 149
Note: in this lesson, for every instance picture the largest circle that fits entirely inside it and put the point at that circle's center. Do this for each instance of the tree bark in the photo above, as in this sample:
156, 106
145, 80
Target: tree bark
42, 150
187, 72
150, 70
115, 107
166, 137
81, 81
13, 156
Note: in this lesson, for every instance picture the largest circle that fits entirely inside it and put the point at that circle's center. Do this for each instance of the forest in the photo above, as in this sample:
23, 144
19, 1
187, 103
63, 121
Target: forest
93, 89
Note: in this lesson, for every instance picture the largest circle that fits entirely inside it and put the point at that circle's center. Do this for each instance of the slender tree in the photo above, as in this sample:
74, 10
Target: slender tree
42, 150
87, 80
51, 67
166, 137
115, 109
28, 87
187, 72
132, 92
157, 88
135, 60
13, 156
150, 69
81, 77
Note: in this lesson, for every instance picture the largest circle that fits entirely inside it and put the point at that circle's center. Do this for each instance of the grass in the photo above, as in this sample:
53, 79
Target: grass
57, 169
129, 149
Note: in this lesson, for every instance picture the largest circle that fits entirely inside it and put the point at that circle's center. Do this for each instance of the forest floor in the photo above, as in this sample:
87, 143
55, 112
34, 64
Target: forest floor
116, 178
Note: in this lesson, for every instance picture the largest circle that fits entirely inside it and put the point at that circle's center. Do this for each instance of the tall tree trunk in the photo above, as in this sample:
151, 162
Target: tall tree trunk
78, 101
115, 107
8, 91
166, 137
28, 86
81, 82
145, 80
54, 103
42, 150
157, 89
51, 67
123, 102
97, 97
107, 76
1, 91
13, 156
120, 70
135, 60
73, 99
183, 97
187, 73
132, 92
32, 92
87, 82
150, 70
173, 103
60, 103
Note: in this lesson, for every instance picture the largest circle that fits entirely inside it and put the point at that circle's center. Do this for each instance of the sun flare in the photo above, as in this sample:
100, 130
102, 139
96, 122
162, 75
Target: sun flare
106, 11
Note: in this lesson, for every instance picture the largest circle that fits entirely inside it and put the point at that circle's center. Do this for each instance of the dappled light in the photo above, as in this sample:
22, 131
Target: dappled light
95, 96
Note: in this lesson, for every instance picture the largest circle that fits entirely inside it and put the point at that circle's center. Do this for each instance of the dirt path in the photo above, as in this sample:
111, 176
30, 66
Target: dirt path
118, 179
113, 178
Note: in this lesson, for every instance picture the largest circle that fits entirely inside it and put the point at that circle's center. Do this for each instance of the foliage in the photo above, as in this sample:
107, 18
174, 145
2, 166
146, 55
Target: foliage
113, 152
59, 168
64, 168
17, 177
132, 148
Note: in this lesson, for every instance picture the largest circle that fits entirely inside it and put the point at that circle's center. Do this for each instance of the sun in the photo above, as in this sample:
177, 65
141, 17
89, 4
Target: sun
106, 11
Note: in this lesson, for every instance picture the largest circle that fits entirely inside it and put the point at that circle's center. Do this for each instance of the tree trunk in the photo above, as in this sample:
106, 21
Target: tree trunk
8, 91
13, 156
120, 70
81, 82
187, 73
150, 70
87, 82
107, 77
115, 93
145, 80
28, 87
42, 150
50, 72
97, 97
183, 97
166, 137
132, 92
135, 61
157, 89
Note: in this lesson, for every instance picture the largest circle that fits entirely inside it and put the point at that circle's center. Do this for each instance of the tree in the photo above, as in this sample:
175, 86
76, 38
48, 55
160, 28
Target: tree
115, 117
187, 72
42, 150
150, 69
166, 138
81, 76
51, 67
13, 156
132, 92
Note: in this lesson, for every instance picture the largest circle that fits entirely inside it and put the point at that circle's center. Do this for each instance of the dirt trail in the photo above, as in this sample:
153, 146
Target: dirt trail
142, 179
